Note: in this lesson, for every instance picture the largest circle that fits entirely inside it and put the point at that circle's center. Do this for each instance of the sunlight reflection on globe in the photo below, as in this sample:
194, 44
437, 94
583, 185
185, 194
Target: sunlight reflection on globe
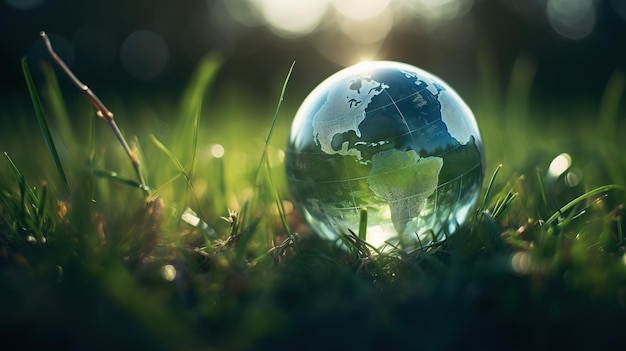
392, 139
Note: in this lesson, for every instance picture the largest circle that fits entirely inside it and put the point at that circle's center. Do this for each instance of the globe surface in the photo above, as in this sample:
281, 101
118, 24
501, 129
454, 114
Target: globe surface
389, 138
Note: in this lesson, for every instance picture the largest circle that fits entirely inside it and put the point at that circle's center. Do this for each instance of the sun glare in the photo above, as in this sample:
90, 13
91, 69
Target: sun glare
360, 9
367, 31
292, 18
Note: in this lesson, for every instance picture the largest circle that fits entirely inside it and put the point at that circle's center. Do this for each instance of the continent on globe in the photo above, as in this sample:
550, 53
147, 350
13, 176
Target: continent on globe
405, 181
343, 111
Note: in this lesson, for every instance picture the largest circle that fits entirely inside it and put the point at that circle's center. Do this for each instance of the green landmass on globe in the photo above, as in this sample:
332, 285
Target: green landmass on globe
405, 181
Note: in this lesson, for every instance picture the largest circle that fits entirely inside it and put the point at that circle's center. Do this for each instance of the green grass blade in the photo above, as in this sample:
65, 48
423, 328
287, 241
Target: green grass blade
117, 177
157, 191
42, 208
91, 141
24, 208
581, 198
194, 146
257, 176
27, 193
490, 186
620, 232
31, 209
542, 191
181, 170
280, 101
190, 110
504, 203
172, 157
279, 203
258, 173
58, 109
43, 125
363, 225
242, 242
19, 176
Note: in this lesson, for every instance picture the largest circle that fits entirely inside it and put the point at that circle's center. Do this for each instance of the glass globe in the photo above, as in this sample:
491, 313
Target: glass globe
392, 139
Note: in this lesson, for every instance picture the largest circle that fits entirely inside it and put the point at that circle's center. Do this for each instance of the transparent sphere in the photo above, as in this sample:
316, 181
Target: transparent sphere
392, 139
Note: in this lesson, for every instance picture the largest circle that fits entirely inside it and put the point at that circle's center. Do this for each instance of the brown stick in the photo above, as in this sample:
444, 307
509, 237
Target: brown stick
101, 111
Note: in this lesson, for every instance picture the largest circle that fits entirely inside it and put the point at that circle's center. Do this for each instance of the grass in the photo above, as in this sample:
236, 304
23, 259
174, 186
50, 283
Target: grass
215, 257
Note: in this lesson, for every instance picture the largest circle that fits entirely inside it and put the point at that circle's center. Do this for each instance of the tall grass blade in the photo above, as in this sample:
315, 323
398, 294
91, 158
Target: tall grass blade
363, 225
117, 177
493, 229
257, 176
172, 158
242, 242
181, 170
157, 192
42, 208
31, 208
581, 198
620, 232
43, 125
57, 107
542, 191
490, 186
504, 203
187, 126
19, 176
280, 101
279, 203
91, 141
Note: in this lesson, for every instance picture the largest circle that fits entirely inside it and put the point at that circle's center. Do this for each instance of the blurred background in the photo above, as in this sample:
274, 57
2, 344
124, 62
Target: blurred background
144, 46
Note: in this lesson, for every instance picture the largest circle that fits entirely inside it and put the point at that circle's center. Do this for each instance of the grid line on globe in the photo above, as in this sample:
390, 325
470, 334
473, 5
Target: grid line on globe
390, 138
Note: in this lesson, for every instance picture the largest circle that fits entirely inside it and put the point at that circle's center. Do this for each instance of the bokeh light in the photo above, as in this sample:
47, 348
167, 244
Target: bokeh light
217, 151
572, 19
243, 12
439, 10
362, 22
160, 44
168, 272
369, 21
144, 54
367, 31
360, 9
291, 18
521, 262
573, 177
559, 165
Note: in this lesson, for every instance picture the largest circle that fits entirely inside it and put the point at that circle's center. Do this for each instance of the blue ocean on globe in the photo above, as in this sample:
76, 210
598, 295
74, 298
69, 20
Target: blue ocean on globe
393, 140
